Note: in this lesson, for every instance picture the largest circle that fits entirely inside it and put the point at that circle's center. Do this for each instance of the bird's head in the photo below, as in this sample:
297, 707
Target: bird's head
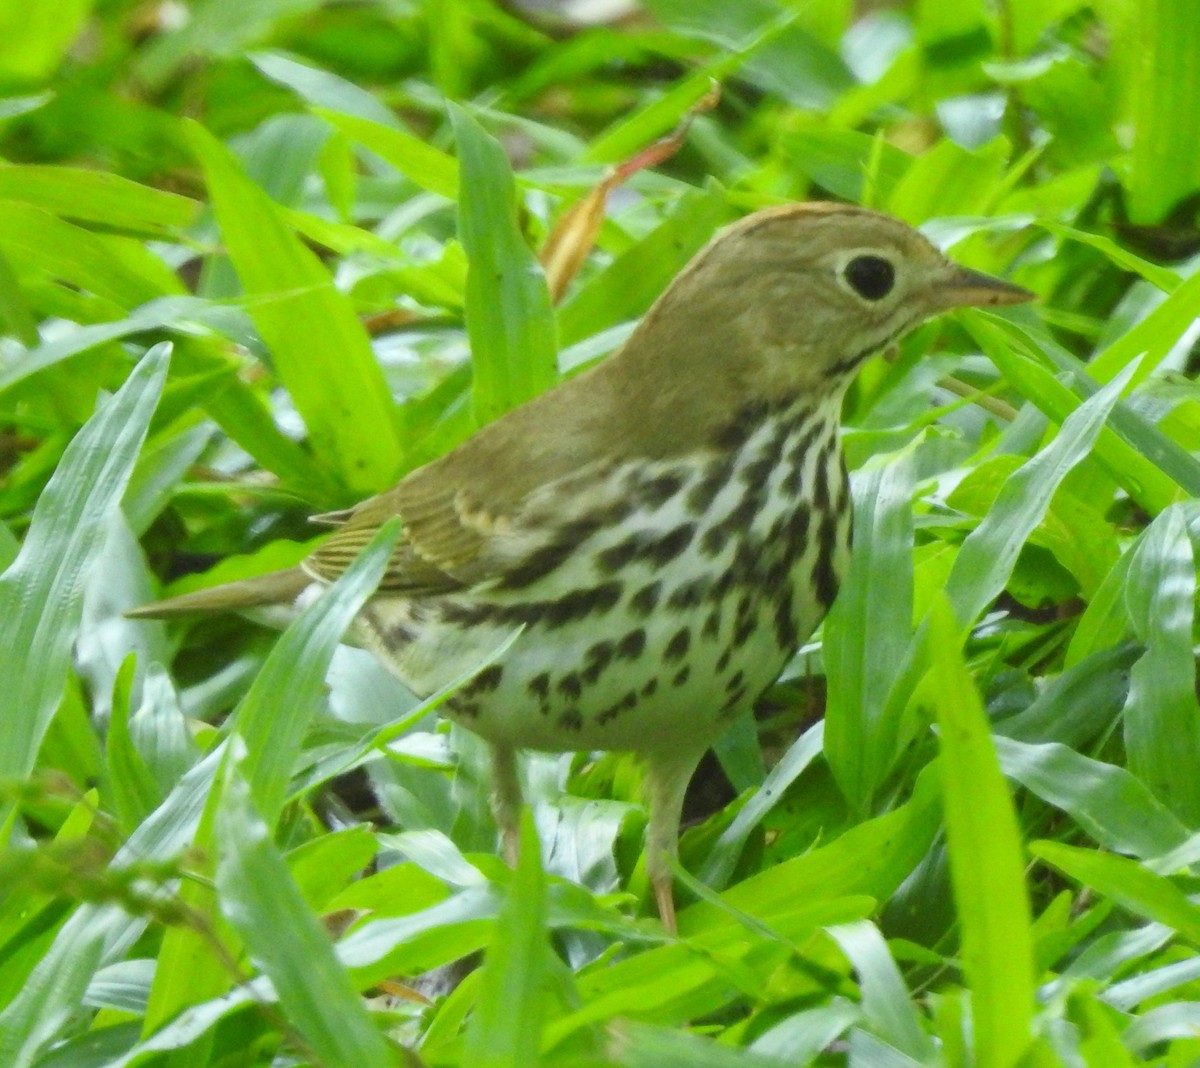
797, 297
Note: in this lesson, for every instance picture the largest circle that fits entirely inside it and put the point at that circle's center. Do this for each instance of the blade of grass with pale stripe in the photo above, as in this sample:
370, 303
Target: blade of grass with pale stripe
1131, 885
261, 901
868, 631
510, 322
271, 723
1162, 715
41, 593
986, 559
986, 861
320, 349
1006, 347
505, 1030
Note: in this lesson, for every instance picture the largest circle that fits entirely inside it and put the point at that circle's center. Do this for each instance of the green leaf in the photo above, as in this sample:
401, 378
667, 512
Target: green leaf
1162, 277
1163, 47
319, 347
262, 903
1007, 347
1152, 338
1131, 885
723, 856
505, 1030
871, 858
868, 631
509, 319
416, 159
885, 999
706, 971
1080, 704
323, 89
96, 933
41, 593
273, 717
34, 40
129, 779
95, 197
645, 1046
119, 269
986, 862
1162, 715
985, 561
1110, 804
838, 160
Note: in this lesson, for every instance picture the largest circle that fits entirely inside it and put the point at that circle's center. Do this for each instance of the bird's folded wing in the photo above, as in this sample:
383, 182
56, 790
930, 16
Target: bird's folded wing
443, 547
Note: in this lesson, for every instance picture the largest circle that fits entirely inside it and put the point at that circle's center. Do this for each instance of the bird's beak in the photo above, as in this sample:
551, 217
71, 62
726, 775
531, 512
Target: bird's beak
963, 288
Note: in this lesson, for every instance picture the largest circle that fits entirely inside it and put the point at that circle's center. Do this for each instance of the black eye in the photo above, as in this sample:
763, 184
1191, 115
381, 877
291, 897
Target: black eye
870, 276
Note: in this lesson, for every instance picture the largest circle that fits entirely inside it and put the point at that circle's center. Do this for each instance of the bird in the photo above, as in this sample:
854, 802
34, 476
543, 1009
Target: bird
661, 531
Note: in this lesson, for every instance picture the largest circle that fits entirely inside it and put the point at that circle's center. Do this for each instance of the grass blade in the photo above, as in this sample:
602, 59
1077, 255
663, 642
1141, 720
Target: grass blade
506, 1028
262, 903
1109, 803
1141, 479
1162, 715
986, 559
509, 319
319, 347
986, 862
1131, 885
868, 631
41, 593
287, 692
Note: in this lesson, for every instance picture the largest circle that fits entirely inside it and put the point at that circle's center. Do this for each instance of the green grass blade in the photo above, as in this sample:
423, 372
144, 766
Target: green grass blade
1148, 445
1114, 807
41, 593
723, 856
872, 858
510, 322
886, 1001
133, 788
986, 861
1161, 277
262, 903
92, 196
286, 694
1162, 715
1152, 338
98, 934
646, 1046
1005, 346
321, 88
1164, 56
1131, 885
868, 631
505, 1030
417, 160
986, 559
321, 351
118, 269
1080, 704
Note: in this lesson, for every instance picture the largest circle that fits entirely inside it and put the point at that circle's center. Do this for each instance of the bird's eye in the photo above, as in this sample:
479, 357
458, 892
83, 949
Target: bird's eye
871, 277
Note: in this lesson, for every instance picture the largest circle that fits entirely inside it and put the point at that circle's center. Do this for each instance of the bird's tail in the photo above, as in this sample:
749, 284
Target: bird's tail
262, 591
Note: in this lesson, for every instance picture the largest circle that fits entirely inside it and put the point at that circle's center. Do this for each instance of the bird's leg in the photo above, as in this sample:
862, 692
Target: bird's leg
506, 800
667, 777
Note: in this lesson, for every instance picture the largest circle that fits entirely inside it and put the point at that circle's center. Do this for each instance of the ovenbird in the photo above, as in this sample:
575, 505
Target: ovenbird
667, 527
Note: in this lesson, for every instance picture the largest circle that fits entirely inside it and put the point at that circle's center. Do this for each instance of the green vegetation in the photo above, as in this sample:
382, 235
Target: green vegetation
244, 253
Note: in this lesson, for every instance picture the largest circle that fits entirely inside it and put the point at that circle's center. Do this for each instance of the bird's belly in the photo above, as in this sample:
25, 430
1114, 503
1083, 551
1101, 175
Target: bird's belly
642, 639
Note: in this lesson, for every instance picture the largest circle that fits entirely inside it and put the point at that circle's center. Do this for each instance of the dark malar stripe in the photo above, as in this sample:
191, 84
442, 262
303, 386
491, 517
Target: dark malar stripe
850, 363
